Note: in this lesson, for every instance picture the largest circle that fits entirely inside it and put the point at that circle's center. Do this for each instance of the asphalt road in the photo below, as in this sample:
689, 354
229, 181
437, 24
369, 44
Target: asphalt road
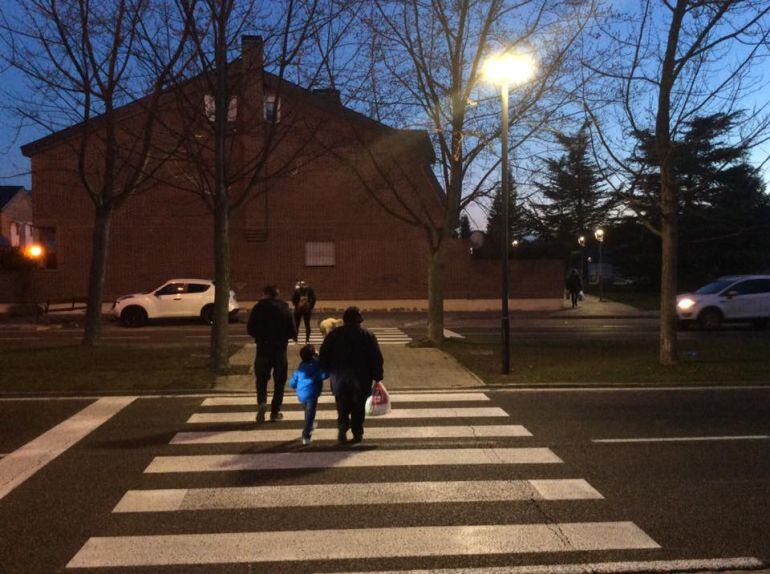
696, 499
530, 326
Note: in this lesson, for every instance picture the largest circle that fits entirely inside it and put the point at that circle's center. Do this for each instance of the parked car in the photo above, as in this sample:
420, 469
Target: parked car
175, 298
733, 298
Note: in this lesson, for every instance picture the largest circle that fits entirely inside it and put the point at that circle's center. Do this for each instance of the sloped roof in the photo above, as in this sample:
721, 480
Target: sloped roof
8, 192
419, 137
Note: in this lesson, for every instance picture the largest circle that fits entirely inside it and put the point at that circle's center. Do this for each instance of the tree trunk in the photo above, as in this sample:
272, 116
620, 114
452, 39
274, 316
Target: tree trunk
96, 276
668, 275
437, 258
220, 336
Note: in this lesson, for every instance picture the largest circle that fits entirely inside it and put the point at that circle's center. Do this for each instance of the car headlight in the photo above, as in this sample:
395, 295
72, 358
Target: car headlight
686, 303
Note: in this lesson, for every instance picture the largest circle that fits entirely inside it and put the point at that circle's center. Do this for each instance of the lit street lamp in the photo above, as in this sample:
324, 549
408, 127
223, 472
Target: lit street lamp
504, 70
599, 234
582, 243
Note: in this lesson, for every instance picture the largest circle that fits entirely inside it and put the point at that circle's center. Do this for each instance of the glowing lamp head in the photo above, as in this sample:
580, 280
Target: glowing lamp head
599, 234
34, 252
582, 240
509, 69
515, 243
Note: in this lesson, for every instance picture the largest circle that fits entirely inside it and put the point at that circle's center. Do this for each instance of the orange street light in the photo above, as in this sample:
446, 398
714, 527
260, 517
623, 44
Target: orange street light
34, 251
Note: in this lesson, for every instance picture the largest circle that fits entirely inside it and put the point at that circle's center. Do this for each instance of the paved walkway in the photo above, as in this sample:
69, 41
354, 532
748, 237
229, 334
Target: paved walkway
405, 368
592, 307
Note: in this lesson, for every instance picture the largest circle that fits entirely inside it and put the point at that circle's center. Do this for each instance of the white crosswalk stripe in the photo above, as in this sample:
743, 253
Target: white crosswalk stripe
199, 476
372, 433
354, 494
396, 398
385, 336
328, 415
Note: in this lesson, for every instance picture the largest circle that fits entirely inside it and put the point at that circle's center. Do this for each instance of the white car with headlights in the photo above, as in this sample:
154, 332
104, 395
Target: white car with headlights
175, 298
733, 298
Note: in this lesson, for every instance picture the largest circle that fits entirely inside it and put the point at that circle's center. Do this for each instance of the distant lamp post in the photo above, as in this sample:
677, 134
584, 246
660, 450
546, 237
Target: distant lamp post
582, 243
599, 234
505, 70
515, 243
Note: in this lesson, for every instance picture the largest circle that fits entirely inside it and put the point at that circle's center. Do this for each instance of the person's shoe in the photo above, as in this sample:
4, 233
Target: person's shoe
342, 437
357, 438
276, 416
306, 440
261, 410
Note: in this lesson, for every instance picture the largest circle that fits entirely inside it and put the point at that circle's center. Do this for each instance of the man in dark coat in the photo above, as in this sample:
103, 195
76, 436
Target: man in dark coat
303, 300
271, 325
352, 356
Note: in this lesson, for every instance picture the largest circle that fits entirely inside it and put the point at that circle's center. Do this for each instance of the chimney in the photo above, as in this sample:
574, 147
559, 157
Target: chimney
330, 95
252, 81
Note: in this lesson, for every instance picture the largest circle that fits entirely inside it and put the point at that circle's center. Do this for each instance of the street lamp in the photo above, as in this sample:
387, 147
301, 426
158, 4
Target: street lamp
515, 243
599, 234
582, 243
504, 70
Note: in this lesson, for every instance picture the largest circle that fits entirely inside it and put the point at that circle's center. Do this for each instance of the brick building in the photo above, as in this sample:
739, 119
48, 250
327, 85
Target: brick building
321, 216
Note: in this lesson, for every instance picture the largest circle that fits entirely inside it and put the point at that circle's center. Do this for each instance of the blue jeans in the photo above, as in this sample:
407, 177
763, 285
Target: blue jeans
310, 407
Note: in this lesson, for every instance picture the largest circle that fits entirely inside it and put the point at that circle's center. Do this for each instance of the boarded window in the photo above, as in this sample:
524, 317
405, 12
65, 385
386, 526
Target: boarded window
319, 254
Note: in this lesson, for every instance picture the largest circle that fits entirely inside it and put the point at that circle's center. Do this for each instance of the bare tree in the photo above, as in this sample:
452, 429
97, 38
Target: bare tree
669, 62
425, 64
241, 123
83, 61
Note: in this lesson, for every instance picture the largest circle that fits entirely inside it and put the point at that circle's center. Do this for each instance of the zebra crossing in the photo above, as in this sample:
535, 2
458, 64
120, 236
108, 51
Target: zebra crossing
220, 468
385, 336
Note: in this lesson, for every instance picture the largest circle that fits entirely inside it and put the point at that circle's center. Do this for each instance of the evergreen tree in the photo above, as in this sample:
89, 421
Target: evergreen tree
724, 212
518, 220
575, 202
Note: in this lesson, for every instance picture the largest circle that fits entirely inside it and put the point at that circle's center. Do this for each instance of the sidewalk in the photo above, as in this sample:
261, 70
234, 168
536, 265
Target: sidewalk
592, 308
406, 368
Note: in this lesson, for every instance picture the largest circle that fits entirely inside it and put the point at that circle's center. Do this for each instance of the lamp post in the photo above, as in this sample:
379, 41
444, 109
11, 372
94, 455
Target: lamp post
599, 234
582, 243
505, 70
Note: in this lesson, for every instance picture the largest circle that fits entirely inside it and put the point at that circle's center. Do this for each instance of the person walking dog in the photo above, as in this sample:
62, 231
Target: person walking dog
352, 357
271, 325
303, 300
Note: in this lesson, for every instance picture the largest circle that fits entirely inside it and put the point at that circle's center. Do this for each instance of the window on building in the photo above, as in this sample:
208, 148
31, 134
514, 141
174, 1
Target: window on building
15, 235
47, 238
319, 254
272, 109
210, 108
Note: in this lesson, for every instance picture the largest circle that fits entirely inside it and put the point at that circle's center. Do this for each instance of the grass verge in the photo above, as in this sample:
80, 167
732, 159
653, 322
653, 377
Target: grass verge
615, 362
105, 368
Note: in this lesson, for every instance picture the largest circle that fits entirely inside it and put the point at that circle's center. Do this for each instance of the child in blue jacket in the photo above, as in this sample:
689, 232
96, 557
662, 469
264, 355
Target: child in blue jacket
308, 380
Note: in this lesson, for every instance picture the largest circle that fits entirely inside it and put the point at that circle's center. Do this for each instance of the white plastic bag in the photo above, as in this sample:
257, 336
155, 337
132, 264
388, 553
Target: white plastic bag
378, 403
581, 296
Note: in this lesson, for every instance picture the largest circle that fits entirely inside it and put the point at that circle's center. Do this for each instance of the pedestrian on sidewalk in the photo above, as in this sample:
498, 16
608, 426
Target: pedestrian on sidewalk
574, 286
271, 325
303, 300
352, 357
308, 379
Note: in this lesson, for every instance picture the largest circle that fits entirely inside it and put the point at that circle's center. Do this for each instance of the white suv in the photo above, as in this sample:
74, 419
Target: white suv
175, 298
734, 298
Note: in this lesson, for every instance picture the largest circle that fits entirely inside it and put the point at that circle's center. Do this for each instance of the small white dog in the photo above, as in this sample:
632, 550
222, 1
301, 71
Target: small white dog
328, 325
